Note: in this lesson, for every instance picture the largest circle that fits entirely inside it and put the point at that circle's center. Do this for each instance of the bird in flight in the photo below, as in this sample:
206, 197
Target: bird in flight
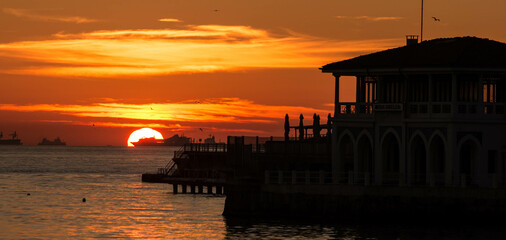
436, 19
151, 108
201, 129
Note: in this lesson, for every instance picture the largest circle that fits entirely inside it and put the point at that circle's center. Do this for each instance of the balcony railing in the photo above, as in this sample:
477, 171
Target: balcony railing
425, 109
355, 109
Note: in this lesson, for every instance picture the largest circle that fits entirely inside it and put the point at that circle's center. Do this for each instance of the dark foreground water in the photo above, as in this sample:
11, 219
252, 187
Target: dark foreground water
118, 205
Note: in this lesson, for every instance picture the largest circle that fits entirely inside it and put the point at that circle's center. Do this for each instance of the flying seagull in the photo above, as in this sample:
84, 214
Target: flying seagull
201, 129
151, 108
436, 19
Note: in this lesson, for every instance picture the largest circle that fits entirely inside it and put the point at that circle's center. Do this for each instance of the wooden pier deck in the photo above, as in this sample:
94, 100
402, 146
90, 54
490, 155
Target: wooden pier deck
188, 185
196, 168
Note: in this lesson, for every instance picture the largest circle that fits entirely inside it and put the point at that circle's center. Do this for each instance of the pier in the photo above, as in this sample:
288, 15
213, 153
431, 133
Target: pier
196, 168
422, 144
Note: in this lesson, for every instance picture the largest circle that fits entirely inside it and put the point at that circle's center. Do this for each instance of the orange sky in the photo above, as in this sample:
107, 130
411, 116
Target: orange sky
228, 67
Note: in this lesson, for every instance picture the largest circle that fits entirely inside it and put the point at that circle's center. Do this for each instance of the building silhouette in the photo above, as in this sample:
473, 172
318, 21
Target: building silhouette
431, 113
423, 141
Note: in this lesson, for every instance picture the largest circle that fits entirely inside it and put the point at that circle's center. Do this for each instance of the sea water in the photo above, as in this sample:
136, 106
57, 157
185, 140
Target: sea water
42, 191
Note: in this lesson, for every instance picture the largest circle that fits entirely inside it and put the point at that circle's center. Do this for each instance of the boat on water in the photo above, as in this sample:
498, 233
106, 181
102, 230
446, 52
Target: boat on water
10, 141
175, 140
56, 142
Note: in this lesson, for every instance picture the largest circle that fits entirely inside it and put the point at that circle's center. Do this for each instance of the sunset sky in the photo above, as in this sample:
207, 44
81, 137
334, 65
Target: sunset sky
226, 67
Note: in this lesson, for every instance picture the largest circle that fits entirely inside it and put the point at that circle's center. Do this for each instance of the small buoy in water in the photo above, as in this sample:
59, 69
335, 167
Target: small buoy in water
28, 194
84, 199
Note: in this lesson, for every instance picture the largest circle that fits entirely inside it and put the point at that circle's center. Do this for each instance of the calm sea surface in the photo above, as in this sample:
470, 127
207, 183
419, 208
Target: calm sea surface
119, 205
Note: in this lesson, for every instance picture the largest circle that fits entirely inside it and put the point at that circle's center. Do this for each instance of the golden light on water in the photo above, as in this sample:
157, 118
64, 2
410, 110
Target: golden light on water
143, 133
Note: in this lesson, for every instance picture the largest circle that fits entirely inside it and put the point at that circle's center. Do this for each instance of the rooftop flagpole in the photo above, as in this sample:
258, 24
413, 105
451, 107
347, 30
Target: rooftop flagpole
421, 25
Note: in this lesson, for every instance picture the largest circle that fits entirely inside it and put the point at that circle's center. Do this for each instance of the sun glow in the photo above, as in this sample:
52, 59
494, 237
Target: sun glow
143, 133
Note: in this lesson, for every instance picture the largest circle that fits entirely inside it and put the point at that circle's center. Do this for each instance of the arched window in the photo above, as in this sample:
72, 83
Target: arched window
365, 164
390, 158
346, 157
418, 167
437, 158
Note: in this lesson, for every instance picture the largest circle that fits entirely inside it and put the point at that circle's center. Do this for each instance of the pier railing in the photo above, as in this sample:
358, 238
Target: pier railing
354, 109
205, 147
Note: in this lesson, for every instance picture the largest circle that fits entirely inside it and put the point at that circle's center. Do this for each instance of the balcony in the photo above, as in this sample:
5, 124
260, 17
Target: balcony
461, 110
424, 110
355, 110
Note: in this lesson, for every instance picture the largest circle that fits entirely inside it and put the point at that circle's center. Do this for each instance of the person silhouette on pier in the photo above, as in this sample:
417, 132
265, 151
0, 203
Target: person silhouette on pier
316, 126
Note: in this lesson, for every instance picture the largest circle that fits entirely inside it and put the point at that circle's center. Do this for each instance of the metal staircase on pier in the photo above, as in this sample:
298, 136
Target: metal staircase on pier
171, 167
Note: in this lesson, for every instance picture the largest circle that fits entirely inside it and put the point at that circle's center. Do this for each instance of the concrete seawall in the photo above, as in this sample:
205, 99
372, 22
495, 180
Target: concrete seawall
364, 203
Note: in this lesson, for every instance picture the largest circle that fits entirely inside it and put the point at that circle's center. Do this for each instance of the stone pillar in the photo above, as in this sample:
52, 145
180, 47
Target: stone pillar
378, 159
455, 92
429, 100
403, 173
336, 93
219, 189
335, 155
174, 188
201, 189
334, 152
192, 189
452, 172
358, 91
183, 188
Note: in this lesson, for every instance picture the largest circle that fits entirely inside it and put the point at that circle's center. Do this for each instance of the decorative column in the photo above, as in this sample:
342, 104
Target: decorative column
336, 93
334, 152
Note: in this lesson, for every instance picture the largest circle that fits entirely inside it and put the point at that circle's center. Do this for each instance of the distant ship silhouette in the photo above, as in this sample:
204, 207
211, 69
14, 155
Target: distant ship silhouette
56, 142
13, 141
175, 140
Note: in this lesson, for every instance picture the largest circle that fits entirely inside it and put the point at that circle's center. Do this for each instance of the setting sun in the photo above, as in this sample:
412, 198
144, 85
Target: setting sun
143, 133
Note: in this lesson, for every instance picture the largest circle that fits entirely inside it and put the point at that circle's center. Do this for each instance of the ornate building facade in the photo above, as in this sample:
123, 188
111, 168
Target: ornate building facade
430, 113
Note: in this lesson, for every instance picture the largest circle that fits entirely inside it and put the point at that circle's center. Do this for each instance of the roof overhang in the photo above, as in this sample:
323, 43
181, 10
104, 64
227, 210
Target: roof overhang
402, 71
